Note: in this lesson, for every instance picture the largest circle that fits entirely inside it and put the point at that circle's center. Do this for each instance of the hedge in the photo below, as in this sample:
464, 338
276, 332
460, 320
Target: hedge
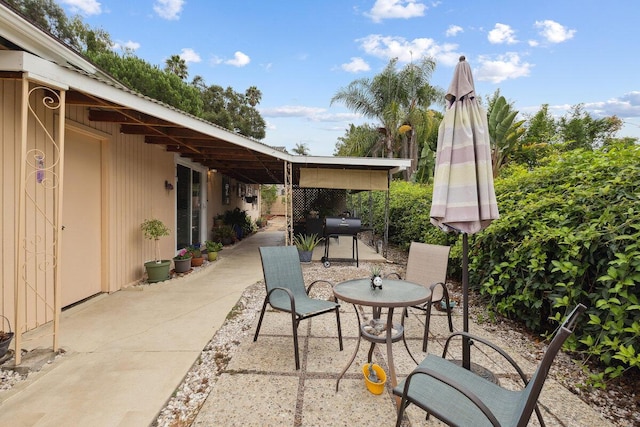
568, 232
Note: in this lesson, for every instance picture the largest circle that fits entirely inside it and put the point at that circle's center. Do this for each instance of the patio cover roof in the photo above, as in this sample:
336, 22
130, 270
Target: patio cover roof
38, 56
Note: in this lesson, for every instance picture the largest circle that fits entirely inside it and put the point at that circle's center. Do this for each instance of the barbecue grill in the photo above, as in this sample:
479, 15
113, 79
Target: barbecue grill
341, 226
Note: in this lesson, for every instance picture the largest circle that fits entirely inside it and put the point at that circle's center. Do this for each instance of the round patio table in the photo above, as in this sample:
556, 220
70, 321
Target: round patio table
394, 293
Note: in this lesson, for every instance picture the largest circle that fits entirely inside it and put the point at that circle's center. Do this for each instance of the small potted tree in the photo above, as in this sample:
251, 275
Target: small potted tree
306, 243
212, 249
157, 270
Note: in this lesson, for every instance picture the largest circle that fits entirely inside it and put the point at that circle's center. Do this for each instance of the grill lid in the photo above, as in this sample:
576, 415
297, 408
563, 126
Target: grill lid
342, 225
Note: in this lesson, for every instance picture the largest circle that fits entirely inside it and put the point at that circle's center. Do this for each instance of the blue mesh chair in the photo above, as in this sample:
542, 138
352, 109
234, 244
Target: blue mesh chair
427, 266
286, 291
459, 397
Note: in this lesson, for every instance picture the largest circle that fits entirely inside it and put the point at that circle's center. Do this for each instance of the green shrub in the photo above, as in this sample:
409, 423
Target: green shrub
568, 232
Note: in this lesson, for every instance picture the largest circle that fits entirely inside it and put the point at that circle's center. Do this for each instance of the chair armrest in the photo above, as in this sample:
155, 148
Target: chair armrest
488, 344
455, 385
321, 281
288, 292
397, 275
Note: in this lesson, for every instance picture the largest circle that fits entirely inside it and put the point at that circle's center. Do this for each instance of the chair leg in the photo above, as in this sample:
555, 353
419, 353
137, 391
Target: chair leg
539, 415
339, 327
294, 322
264, 307
403, 405
445, 292
427, 321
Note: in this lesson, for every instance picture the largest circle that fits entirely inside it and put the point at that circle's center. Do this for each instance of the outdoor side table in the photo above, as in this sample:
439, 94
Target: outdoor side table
394, 293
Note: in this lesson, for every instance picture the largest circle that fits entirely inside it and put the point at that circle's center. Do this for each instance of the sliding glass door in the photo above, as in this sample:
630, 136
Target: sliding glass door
189, 204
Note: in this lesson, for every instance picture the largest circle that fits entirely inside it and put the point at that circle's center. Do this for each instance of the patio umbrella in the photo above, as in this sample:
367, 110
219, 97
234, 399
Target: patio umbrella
464, 199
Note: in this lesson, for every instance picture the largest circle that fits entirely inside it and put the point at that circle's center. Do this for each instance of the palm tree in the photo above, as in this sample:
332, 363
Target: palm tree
301, 148
177, 66
253, 96
395, 99
504, 130
359, 141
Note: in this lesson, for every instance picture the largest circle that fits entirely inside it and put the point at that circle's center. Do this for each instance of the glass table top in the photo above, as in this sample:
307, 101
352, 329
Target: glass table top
394, 293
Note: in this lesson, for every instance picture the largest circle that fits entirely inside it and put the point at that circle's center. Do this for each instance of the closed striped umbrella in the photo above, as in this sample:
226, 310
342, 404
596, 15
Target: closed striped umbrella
464, 199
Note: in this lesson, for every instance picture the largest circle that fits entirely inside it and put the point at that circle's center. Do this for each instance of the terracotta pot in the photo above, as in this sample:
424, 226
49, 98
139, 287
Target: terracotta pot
197, 262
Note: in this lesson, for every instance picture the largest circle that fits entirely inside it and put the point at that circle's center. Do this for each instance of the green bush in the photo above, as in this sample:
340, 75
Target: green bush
568, 232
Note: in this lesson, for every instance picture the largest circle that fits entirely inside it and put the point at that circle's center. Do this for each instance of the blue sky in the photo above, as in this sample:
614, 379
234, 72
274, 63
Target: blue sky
299, 53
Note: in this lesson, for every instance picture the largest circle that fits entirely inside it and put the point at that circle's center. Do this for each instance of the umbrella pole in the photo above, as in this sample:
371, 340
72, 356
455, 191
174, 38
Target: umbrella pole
466, 350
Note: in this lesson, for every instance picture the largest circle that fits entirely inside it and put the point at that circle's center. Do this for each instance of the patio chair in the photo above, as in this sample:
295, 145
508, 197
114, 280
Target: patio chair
459, 397
286, 292
427, 266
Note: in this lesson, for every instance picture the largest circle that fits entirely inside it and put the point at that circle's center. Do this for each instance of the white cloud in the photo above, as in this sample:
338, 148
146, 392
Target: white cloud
502, 33
533, 43
84, 7
356, 65
503, 67
390, 9
387, 47
314, 114
453, 30
239, 60
292, 111
190, 55
626, 106
554, 32
126, 46
168, 9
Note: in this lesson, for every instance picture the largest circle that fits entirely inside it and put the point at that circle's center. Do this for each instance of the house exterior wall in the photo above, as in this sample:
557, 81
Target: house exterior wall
217, 207
135, 173
133, 176
10, 95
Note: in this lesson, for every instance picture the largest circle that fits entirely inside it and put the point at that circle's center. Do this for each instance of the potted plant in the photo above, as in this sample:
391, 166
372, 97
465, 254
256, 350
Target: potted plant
213, 248
157, 270
223, 234
182, 261
5, 338
196, 255
306, 243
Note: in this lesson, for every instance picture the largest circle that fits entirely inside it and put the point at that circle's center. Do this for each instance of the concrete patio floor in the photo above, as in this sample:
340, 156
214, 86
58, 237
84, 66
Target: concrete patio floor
127, 353
260, 386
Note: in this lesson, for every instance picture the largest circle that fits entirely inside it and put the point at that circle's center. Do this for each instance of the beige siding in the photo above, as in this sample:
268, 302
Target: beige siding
133, 189
9, 153
135, 175
214, 200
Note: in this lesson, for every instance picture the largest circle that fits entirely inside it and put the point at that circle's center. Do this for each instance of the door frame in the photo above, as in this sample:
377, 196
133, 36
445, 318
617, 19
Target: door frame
204, 184
104, 140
